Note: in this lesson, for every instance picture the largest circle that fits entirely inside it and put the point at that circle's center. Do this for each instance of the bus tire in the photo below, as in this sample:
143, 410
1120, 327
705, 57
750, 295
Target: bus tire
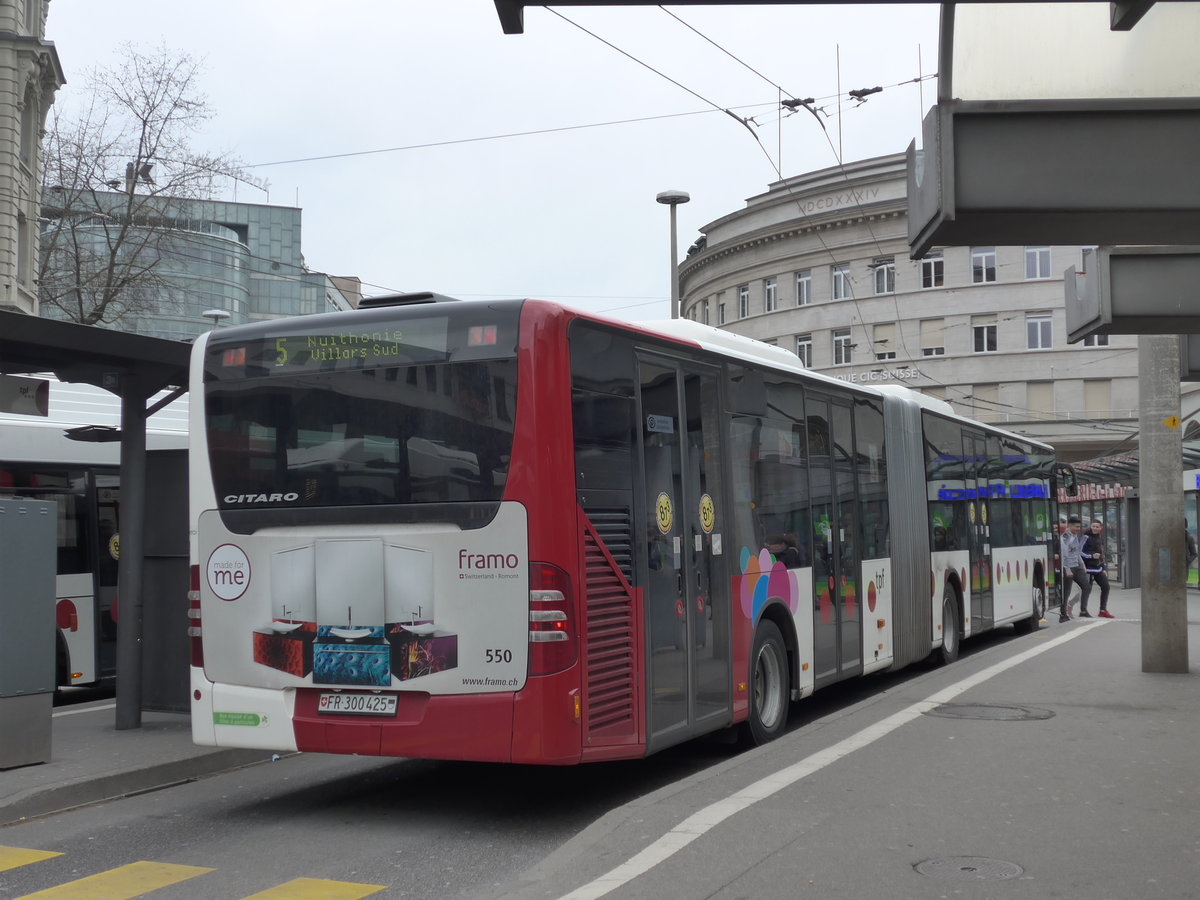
62, 662
1034, 622
769, 680
951, 632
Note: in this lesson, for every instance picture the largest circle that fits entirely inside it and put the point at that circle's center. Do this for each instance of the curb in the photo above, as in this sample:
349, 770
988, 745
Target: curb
46, 801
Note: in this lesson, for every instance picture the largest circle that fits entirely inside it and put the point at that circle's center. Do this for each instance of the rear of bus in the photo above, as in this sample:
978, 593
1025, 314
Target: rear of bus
362, 575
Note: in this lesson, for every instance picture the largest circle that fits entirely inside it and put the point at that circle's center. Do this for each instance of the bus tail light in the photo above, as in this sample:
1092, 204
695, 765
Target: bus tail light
195, 633
66, 615
553, 643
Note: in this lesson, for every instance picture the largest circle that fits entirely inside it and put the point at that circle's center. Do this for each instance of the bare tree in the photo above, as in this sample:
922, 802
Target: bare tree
121, 185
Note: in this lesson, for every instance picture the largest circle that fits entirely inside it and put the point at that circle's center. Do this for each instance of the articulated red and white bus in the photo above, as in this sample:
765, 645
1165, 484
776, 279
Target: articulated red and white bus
511, 531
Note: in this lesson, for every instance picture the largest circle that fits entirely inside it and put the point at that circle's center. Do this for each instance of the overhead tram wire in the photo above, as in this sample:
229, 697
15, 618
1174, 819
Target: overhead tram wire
732, 56
809, 105
631, 57
504, 136
793, 104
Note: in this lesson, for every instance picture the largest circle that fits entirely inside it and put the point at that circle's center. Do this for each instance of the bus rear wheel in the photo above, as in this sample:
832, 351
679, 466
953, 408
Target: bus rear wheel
769, 679
1038, 604
948, 652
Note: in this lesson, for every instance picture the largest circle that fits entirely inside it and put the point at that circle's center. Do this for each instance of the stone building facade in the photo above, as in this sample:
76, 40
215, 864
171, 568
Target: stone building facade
819, 264
30, 74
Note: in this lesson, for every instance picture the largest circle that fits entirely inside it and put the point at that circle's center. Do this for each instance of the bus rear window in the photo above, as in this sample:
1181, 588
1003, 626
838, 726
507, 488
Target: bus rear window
417, 433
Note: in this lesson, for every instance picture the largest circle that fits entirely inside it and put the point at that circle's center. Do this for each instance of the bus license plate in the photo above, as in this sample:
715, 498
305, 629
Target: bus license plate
357, 704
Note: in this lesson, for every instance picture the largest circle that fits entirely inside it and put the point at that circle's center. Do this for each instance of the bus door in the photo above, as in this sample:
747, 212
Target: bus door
108, 552
837, 617
979, 527
686, 594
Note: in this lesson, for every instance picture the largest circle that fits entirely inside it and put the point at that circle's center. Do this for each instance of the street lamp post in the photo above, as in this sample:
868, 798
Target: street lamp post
673, 199
217, 316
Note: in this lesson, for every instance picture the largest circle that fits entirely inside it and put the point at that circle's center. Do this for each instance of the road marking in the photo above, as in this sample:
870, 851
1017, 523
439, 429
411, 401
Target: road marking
714, 814
317, 889
76, 712
15, 857
121, 883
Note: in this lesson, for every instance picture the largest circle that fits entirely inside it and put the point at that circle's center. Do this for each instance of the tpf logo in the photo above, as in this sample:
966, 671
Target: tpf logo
228, 572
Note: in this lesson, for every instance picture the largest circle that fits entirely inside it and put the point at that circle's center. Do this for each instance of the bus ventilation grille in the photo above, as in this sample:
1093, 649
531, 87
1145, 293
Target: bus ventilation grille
614, 528
610, 649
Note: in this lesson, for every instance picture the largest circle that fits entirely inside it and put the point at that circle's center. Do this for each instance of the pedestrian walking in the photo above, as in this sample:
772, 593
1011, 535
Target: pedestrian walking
1071, 552
1093, 562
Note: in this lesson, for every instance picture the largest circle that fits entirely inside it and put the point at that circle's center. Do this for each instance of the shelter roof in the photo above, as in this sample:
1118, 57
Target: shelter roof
86, 353
1124, 468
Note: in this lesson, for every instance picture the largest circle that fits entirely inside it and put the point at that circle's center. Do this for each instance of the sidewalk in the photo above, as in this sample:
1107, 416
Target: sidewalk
91, 761
1040, 766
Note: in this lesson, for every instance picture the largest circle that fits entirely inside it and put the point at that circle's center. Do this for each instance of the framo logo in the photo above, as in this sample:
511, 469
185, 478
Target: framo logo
228, 572
488, 566
486, 561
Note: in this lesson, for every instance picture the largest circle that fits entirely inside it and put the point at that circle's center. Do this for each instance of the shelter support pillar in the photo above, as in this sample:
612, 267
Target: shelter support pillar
131, 563
1164, 550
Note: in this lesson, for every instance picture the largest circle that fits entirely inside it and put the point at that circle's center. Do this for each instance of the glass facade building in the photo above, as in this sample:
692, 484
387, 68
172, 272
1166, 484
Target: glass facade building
241, 258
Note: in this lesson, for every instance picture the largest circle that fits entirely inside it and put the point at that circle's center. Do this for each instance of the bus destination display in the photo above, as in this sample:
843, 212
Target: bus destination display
421, 340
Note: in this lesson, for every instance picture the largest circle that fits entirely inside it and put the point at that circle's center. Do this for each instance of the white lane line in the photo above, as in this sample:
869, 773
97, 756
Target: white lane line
77, 712
714, 814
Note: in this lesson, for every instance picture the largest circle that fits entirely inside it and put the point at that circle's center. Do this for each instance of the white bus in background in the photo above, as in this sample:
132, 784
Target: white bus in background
39, 460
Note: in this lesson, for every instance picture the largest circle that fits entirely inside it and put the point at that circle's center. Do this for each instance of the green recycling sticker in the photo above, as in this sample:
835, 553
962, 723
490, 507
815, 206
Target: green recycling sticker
252, 720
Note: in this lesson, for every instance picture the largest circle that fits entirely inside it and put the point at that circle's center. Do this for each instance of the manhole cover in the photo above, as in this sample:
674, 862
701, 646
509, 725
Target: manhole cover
969, 868
994, 713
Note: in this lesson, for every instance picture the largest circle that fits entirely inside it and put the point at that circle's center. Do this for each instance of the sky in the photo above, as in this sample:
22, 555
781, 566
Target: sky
428, 150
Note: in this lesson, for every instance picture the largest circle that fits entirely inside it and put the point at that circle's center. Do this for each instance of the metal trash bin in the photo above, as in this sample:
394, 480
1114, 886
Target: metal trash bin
28, 566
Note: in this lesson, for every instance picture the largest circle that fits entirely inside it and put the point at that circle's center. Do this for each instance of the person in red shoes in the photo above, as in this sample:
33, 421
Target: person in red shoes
1093, 561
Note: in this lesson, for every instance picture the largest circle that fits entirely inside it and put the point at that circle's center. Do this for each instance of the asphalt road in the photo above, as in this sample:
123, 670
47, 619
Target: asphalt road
420, 828
415, 828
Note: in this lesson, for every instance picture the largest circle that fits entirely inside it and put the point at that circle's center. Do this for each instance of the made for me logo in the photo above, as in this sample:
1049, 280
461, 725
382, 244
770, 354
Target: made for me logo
228, 572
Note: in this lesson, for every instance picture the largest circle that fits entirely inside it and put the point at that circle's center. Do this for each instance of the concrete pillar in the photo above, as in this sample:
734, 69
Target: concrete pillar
1164, 550
130, 567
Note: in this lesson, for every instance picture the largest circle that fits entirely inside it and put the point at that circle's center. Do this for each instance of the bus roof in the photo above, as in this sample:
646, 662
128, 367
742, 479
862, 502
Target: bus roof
77, 405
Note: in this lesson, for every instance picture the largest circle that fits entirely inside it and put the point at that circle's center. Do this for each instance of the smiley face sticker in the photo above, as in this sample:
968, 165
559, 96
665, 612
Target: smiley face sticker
664, 512
708, 514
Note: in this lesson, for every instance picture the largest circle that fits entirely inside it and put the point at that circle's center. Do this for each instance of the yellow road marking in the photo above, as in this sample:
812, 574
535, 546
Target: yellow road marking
121, 883
14, 857
317, 889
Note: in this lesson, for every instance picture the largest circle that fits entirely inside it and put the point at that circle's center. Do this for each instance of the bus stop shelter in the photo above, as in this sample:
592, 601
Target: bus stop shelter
135, 368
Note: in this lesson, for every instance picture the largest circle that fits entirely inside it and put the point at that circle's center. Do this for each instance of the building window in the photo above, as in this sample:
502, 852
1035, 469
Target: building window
770, 294
933, 337
1097, 399
933, 271
1096, 340
804, 349
720, 313
841, 282
1038, 333
884, 341
885, 276
983, 329
23, 244
804, 288
704, 312
27, 139
1037, 262
841, 346
987, 402
983, 265
1039, 398
743, 301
